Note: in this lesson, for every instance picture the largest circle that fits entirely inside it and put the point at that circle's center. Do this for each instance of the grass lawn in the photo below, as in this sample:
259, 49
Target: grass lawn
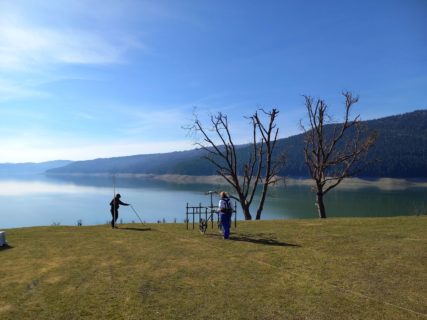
368, 268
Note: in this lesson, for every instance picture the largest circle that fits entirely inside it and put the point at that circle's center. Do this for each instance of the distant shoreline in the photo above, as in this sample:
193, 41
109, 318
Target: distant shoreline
349, 183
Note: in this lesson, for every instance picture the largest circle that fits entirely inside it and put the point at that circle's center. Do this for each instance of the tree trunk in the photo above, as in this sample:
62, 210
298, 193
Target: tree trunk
246, 211
261, 202
320, 205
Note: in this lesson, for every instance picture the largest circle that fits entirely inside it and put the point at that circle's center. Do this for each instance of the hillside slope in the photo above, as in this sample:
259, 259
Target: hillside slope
400, 152
31, 167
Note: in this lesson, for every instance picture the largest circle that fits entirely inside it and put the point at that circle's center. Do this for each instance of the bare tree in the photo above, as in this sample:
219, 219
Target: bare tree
273, 163
333, 153
243, 172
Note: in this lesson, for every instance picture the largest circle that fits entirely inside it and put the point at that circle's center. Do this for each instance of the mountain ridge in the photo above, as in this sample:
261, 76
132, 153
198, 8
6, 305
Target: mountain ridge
400, 151
31, 167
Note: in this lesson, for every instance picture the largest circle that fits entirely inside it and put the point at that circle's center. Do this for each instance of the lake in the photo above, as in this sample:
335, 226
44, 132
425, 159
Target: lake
41, 200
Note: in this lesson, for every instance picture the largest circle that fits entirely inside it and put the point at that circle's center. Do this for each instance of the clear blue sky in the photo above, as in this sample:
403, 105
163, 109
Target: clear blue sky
87, 79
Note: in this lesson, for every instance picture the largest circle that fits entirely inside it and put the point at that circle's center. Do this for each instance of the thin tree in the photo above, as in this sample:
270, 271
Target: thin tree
273, 163
334, 152
243, 172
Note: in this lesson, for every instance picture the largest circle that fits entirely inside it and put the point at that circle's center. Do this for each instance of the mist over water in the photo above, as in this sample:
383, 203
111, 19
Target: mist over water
38, 200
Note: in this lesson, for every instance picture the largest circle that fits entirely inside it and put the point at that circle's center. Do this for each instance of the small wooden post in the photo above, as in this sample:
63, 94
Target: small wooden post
217, 219
186, 216
200, 211
193, 217
235, 215
212, 217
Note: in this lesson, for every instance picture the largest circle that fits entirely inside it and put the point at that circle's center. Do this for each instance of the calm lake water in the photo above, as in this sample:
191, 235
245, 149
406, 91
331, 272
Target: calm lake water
39, 200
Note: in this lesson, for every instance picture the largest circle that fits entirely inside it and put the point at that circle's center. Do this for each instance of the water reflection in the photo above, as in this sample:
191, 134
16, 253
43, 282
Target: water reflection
25, 188
40, 200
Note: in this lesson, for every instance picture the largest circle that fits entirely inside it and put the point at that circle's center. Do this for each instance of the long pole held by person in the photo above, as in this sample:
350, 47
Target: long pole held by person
115, 204
137, 214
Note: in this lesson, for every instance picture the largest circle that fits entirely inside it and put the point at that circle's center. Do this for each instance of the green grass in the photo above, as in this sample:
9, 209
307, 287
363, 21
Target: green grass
300, 269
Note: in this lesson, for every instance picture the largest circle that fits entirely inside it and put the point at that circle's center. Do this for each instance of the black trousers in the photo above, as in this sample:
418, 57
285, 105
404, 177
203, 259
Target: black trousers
115, 216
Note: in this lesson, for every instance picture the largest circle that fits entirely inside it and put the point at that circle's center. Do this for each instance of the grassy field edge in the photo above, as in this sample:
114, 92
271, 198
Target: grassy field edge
352, 268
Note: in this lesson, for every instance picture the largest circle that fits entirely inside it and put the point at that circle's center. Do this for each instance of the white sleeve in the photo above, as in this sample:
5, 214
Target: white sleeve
221, 204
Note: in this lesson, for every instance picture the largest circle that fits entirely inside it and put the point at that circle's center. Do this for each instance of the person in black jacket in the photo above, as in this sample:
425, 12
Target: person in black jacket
115, 203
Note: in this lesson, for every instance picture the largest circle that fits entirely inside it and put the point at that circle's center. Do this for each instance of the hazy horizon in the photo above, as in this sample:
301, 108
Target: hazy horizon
129, 155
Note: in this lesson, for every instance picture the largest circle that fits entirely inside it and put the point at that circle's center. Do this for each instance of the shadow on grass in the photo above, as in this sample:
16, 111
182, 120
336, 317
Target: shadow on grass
136, 229
5, 247
264, 241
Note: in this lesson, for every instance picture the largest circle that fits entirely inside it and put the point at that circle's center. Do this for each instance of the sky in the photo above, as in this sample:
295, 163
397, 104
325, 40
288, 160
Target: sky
84, 79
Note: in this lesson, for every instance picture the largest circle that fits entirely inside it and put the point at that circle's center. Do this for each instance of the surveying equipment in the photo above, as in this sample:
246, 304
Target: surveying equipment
136, 214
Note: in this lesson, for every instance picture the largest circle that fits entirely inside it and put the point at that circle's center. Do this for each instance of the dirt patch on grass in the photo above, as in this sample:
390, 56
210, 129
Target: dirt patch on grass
5, 308
147, 289
50, 265
52, 279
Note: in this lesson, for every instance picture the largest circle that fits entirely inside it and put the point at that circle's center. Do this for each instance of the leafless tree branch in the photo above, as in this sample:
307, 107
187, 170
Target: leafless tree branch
259, 167
330, 158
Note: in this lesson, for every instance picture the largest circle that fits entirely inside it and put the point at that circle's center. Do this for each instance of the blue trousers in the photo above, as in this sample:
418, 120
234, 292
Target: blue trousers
226, 223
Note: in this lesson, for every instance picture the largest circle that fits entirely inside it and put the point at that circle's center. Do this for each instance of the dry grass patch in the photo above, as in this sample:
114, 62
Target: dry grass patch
301, 269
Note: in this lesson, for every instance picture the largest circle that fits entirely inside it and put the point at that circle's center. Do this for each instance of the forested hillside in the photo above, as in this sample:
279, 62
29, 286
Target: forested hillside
400, 151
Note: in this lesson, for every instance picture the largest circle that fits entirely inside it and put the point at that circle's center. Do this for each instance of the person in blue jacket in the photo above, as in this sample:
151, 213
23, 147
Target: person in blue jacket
115, 204
225, 211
